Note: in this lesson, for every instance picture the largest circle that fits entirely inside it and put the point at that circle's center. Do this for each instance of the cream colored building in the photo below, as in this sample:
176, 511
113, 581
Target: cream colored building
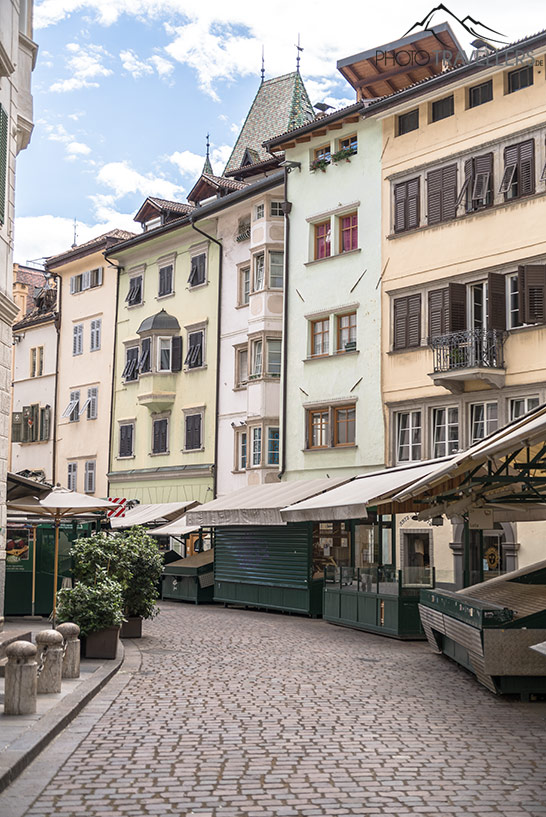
464, 278
17, 60
87, 287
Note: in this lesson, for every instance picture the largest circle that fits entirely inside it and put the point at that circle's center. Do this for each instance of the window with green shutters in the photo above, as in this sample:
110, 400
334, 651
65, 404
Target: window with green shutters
3, 162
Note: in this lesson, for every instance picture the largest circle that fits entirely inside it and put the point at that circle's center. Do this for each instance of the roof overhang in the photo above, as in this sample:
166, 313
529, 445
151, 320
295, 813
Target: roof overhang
20, 487
390, 68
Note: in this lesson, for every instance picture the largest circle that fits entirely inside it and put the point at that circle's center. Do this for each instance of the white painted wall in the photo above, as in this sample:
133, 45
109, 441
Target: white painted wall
28, 390
329, 285
258, 402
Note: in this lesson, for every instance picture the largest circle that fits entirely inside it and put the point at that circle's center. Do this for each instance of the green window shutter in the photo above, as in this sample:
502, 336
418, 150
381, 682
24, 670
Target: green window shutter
17, 427
3, 162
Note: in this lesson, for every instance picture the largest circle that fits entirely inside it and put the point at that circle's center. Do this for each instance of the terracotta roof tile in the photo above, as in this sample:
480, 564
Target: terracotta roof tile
171, 206
88, 246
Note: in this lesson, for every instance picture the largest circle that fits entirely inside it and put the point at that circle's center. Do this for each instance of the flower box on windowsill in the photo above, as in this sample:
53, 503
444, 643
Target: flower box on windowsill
343, 155
319, 164
254, 376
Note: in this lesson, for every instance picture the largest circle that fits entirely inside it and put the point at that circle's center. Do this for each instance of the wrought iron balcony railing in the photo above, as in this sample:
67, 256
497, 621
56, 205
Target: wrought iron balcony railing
471, 349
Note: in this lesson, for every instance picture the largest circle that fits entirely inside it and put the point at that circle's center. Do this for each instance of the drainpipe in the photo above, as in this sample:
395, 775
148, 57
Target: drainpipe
59, 281
111, 434
287, 206
220, 245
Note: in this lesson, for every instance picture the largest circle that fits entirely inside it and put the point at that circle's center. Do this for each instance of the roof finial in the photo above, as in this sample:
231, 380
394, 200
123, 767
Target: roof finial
207, 167
263, 64
75, 242
299, 50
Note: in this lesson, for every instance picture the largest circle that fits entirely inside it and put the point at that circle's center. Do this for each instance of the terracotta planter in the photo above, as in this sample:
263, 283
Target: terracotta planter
102, 644
132, 628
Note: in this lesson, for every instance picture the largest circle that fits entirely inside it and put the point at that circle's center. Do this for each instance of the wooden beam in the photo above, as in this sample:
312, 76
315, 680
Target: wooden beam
321, 132
286, 145
349, 119
335, 126
304, 138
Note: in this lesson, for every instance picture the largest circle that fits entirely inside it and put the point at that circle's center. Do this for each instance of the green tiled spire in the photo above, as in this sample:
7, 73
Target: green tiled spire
207, 167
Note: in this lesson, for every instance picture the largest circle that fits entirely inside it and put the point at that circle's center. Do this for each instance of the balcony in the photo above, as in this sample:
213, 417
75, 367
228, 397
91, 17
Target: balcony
473, 355
156, 390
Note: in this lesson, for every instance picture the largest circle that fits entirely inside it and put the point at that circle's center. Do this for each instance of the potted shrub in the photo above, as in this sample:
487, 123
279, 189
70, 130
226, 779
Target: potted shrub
142, 569
343, 155
97, 610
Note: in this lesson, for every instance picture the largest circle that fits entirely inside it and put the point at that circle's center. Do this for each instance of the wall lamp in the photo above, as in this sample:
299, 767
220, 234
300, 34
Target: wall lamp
290, 165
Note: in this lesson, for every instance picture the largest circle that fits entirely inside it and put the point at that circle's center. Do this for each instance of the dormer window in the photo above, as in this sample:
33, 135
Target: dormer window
153, 223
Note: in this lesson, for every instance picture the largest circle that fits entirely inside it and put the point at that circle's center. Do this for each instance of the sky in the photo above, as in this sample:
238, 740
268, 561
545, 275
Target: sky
125, 92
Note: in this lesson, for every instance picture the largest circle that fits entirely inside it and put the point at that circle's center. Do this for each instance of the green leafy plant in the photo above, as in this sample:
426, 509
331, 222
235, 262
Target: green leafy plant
343, 155
96, 552
319, 164
142, 567
92, 607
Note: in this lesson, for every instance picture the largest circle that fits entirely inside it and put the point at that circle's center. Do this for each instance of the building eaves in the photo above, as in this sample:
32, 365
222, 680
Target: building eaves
317, 124
200, 212
34, 318
91, 246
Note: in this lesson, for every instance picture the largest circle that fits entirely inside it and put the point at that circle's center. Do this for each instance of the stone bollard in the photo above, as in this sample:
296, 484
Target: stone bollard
50, 646
71, 660
20, 681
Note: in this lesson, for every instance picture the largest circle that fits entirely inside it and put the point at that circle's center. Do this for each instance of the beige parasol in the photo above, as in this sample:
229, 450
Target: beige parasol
59, 503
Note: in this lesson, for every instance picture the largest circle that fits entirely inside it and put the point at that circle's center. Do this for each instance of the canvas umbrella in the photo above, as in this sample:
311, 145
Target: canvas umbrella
60, 503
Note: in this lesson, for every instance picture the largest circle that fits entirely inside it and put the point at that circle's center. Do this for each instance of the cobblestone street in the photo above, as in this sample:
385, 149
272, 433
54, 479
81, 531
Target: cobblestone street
236, 712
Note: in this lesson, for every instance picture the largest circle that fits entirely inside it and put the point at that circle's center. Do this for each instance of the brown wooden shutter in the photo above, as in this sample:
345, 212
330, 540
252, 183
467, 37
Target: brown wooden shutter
193, 431
496, 293
532, 293
126, 441
457, 308
468, 183
526, 168
400, 194
412, 207
176, 363
434, 196
449, 192
438, 301
400, 323
4, 133
483, 171
414, 320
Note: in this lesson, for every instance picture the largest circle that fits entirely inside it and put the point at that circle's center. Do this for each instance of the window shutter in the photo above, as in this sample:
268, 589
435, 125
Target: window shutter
126, 441
99, 276
16, 427
400, 194
468, 182
449, 192
511, 156
46, 423
413, 204
157, 437
434, 196
526, 180
496, 293
438, 301
3, 162
144, 363
75, 340
400, 323
25, 436
86, 279
176, 362
457, 308
532, 293
72, 285
414, 320
483, 183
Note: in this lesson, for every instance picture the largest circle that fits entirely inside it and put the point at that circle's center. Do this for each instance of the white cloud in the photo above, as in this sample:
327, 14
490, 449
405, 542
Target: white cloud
219, 157
85, 66
188, 163
78, 149
41, 236
163, 67
122, 179
133, 65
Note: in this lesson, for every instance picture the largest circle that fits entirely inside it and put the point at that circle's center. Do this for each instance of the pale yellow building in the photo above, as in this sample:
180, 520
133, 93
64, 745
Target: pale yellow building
464, 278
87, 287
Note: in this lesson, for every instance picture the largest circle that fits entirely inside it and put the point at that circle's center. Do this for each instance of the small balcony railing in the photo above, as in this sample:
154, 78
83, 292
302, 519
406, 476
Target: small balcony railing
471, 349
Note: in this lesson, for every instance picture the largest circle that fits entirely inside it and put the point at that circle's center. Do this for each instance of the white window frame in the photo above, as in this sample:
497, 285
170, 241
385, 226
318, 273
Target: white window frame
240, 382
270, 254
489, 424
98, 277
268, 452
256, 452
270, 341
413, 426
435, 442
241, 435
511, 285
245, 284
276, 205
259, 211
160, 342
261, 279
257, 360
92, 403
534, 397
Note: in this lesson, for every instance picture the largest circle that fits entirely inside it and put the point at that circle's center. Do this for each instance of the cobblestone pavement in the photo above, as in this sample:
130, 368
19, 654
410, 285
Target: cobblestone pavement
236, 712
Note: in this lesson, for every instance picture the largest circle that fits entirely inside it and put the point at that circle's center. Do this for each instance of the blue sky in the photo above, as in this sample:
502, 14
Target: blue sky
126, 90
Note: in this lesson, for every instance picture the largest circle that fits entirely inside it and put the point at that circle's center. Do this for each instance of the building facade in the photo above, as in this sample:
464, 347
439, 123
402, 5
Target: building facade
332, 421
464, 284
34, 376
162, 445
17, 59
87, 294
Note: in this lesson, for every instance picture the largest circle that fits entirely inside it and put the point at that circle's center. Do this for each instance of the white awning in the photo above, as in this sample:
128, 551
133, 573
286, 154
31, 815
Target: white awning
179, 527
349, 501
529, 430
258, 504
144, 514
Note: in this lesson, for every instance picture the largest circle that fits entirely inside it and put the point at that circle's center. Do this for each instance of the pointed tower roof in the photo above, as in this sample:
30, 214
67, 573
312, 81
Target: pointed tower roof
282, 103
207, 167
